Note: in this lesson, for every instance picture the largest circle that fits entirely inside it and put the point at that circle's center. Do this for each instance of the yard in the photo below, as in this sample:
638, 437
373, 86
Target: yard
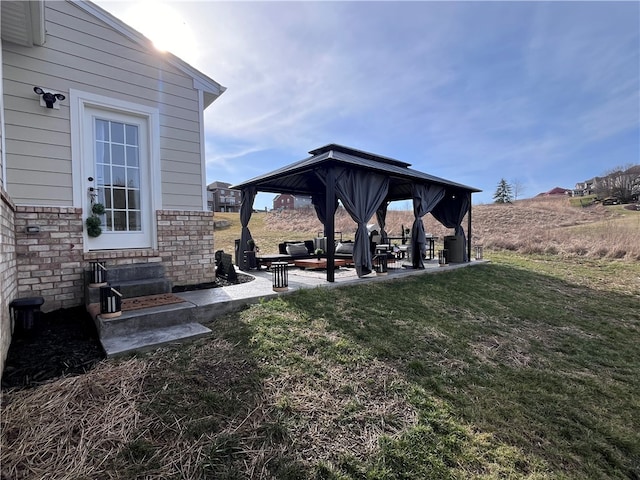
527, 367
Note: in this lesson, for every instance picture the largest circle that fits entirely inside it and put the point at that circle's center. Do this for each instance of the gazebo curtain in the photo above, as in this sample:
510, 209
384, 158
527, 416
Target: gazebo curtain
248, 195
361, 193
381, 216
452, 212
319, 201
425, 198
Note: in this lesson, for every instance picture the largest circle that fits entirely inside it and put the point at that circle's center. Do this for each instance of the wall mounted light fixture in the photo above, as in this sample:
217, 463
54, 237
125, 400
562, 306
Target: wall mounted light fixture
48, 98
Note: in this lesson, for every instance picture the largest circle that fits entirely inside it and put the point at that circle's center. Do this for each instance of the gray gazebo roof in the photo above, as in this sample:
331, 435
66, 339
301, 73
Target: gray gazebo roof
299, 178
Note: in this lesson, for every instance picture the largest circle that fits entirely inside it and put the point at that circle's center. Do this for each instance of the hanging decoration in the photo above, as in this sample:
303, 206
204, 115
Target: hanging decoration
93, 221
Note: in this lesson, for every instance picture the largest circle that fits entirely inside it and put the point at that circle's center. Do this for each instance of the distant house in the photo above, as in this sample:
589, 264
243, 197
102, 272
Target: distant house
291, 202
585, 188
221, 198
91, 112
635, 189
623, 184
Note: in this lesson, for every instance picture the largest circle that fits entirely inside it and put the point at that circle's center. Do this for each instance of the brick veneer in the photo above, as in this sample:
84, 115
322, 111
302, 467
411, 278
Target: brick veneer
185, 243
8, 275
51, 263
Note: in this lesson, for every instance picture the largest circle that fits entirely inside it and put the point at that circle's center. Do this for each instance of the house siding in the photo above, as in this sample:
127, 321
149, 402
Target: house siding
7, 247
84, 54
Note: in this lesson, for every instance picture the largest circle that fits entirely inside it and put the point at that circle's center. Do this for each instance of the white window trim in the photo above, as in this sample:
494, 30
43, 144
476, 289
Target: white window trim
78, 102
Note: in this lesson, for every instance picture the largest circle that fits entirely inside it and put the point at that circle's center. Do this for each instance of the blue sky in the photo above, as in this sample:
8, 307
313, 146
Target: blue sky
543, 93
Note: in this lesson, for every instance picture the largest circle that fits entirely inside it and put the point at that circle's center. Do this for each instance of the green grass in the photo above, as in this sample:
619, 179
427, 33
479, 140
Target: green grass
267, 239
582, 201
527, 367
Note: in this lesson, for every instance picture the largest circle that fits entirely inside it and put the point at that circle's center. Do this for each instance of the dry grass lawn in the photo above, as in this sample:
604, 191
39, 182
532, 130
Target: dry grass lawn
523, 368
547, 225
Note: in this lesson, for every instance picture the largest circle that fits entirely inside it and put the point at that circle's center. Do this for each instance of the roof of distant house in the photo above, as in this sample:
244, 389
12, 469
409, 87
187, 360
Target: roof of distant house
554, 191
217, 184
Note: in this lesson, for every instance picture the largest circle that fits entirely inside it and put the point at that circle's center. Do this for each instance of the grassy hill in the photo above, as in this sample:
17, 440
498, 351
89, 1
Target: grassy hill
539, 225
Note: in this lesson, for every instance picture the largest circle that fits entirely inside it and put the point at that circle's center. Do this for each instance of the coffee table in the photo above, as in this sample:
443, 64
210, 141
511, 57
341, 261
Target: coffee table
318, 263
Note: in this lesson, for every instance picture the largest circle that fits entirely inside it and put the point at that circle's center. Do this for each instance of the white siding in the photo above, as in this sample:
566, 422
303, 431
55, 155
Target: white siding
2, 166
84, 54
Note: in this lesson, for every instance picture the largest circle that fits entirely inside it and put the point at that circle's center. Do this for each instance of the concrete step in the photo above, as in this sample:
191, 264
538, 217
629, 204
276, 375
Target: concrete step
134, 280
137, 271
149, 339
133, 321
146, 328
131, 289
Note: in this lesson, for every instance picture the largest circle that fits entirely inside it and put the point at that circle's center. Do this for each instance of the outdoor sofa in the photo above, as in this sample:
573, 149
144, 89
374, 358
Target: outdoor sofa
291, 250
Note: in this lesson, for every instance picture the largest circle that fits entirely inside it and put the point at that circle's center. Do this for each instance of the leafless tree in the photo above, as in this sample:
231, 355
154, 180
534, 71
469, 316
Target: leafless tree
517, 188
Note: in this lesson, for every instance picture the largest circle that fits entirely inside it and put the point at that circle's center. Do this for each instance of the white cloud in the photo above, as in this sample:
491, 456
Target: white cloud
460, 89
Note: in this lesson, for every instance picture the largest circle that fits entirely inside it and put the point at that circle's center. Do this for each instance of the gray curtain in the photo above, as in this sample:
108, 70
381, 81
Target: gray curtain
425, 198
381, 216
319, 201
361, 193
248, 195
451, 211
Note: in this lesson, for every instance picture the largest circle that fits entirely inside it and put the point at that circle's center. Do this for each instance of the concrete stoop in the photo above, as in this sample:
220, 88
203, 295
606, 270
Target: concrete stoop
149, 339
146, 328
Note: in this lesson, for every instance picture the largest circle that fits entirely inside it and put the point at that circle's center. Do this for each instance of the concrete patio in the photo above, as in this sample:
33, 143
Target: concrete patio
156, 326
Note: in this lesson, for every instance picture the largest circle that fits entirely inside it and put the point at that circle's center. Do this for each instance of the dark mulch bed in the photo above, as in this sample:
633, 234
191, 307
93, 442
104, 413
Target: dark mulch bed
61, 343
64, 343
218, 282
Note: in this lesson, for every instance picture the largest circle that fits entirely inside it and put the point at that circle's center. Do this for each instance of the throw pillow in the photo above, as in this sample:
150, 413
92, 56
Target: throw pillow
344, 248
297, 249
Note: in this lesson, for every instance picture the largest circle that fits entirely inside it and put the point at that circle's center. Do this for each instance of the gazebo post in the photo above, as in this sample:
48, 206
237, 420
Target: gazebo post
329, 224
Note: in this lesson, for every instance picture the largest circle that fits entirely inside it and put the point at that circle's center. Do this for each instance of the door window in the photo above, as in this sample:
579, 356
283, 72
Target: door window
118, 175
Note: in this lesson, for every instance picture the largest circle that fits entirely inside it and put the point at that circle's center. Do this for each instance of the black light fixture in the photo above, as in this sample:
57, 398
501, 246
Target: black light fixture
48, 97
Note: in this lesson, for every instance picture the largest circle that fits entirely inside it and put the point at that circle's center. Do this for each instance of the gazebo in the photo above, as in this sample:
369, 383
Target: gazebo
365, 184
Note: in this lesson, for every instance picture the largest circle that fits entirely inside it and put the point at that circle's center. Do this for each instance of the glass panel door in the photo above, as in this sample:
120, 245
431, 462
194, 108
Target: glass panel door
118, 175
117, 167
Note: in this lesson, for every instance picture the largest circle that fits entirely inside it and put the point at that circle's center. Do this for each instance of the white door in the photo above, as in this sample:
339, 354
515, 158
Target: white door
117, 175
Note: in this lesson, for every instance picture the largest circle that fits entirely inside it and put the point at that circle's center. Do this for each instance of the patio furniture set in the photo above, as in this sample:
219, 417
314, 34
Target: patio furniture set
302, 254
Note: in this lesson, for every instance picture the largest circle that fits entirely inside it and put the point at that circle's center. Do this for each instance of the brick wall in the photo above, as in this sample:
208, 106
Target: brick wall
51, 263
8, 285
185, 243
